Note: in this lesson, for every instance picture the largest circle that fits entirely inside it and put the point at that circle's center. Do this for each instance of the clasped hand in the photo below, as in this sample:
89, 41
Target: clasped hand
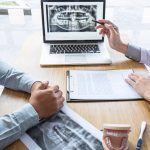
46, 100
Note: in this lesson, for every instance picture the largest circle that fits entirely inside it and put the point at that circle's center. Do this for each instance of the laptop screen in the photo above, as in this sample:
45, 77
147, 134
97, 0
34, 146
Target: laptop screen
71, 20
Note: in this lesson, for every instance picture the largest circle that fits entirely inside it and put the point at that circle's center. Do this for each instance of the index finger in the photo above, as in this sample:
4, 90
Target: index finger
130, 82
106, 21
100, 26
133, 77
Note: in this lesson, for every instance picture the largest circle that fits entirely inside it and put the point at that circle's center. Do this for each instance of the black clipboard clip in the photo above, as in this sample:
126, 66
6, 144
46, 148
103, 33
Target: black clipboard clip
68, 85
68, 90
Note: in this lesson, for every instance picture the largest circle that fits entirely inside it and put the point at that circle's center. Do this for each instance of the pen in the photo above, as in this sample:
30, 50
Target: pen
139, 143
98, 22
115, 27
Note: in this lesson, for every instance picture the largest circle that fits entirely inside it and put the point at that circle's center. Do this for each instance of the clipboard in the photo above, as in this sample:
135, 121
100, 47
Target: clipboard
99, 85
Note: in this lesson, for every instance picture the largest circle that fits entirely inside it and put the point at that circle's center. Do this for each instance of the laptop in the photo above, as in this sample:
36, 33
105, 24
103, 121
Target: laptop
69, 34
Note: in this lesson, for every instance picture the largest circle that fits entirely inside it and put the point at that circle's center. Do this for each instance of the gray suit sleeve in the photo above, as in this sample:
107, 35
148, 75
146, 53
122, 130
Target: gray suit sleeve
13, 79
134, 52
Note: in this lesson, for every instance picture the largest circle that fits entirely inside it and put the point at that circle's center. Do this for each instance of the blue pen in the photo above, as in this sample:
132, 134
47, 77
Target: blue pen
139, 143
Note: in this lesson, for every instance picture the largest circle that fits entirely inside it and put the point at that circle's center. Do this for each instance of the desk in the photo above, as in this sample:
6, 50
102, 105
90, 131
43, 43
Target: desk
97, 113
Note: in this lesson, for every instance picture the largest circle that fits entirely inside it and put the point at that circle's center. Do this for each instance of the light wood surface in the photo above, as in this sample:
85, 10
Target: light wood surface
97, 113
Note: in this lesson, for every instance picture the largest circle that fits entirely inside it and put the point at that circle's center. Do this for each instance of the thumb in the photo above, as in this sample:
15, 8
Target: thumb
110, 28
45, 84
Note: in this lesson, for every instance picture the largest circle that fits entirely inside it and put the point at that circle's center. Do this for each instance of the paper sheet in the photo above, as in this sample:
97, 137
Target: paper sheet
103, 85
64, 131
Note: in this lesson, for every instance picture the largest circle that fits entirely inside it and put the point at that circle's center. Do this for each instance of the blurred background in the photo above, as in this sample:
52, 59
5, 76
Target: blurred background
19, 18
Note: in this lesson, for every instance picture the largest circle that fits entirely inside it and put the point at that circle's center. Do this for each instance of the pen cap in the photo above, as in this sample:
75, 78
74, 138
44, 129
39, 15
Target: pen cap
143, 127
115, 136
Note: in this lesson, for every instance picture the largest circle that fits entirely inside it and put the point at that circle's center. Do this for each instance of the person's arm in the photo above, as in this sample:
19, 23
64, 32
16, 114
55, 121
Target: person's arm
13, 79
138, 54
13, 125
145, 56
133, 52
139, 82
42, 104
44, 101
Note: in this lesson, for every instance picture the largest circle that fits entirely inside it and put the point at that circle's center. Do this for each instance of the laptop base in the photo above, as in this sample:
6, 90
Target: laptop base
48, 59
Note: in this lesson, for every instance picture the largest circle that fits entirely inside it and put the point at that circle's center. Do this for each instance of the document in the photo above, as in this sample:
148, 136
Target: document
85, 85
66, 130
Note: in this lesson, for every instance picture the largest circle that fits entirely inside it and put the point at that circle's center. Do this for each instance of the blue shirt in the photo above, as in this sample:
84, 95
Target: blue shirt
13, 125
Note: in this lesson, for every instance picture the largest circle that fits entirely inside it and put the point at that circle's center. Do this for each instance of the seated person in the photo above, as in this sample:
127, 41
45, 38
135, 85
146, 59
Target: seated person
140, 83
44, 101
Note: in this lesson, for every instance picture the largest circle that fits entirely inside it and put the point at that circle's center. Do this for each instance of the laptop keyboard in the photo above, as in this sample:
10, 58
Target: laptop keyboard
72, 48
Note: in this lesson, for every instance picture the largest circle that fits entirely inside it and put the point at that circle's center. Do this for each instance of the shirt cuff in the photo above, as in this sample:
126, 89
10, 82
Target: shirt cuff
133, 52
27, 85
26, 117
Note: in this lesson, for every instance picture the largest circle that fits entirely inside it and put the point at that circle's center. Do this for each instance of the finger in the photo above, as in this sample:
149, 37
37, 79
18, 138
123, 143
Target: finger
107, 32
108, 35
105, 21
60, 106
51, 89
59, 94
45, 84
42, 85
137, 75
130, 82
101, 31
104, 31
111, 29
61, 100
55, 88
47, 91
108, 22
133, 77
103, 34
100, 26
